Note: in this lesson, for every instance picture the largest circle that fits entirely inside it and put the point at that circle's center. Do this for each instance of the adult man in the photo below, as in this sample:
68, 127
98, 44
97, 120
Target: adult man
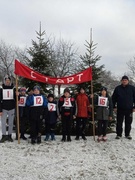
124, 97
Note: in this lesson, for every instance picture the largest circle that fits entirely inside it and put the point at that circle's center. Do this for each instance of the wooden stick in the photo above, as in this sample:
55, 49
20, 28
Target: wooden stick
93, 122
17, 112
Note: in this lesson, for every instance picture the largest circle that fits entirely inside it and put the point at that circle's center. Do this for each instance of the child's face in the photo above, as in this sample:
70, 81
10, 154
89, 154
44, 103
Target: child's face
66, 94
50, 99
36, 91
7, 82
82, 91
103, 93
23, 92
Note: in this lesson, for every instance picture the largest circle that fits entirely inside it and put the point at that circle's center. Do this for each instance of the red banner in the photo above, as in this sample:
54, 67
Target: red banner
25, 71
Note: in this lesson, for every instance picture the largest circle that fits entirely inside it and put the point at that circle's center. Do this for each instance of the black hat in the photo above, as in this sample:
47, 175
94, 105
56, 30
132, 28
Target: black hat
66, 90
125, 77
103, 88
50, 95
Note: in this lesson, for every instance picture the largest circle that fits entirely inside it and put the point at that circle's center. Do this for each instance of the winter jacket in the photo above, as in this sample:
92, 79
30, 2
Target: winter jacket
23, 109
7, 97
66, 106
83, 105
103, 112
51, 115
124, 97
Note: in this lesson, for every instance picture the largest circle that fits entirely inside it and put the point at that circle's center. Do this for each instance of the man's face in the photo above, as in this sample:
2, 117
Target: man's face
124, 82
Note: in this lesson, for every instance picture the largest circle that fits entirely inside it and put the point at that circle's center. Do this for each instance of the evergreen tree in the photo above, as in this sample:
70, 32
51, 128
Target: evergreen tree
40, 59
90, 60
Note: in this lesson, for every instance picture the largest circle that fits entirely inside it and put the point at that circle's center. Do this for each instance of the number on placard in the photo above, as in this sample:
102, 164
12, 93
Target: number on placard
38, 100
102, 101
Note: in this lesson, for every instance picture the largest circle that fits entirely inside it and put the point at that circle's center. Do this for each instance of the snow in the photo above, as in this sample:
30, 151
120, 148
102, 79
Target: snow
76, 160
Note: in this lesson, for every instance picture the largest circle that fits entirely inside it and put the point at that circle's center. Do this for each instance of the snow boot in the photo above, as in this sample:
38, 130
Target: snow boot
53, 137
104, 138
69, 139
23, 137
38, 139
84, 138
47, 137
77, 138
99, 138
3, 139
33, 141
63, 138
10, 138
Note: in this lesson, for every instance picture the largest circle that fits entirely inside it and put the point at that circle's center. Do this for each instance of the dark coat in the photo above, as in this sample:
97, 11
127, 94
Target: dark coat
103, 113
124, 97
51, 116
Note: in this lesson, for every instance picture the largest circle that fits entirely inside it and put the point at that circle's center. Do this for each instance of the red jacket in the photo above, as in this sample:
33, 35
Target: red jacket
83, 105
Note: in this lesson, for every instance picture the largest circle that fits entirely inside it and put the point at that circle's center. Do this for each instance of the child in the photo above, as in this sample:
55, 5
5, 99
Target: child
51, 118
7, 108
103, 113
37, 104
66, 111
23, 112
83, 109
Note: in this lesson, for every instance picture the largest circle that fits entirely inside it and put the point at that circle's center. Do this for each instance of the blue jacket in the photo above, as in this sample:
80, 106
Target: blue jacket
30, 100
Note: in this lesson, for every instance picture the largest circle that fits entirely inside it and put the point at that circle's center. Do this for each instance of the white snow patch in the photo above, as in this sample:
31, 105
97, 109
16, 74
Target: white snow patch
76, 160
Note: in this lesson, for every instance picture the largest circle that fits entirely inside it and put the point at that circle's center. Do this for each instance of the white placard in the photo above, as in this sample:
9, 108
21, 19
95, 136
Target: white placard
7, 94
22, 101
38, 100
102, 101
67, 102
51, 107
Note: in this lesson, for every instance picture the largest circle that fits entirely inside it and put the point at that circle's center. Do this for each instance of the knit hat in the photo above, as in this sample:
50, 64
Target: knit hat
125, 77
50, 95
66, 90
7, 77
22, 89
103, 88
36, 87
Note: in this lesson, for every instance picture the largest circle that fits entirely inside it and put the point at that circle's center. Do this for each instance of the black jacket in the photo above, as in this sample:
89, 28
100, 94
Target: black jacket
7, 104
124, 97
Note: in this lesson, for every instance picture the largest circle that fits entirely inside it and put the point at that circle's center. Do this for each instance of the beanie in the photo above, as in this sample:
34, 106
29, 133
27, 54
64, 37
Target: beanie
103, 88
36, 87
23, 89
50, 95
7, 77
66, 90
125, 77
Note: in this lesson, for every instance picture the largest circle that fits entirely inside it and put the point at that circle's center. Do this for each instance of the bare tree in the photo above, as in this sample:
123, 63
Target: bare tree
131, 67
64, 59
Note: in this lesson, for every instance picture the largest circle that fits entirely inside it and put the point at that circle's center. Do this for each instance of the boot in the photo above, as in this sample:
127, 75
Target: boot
52, 137
10, 138
63, 138
23, 137
38, 139
3, 139
47, 137
77, 138
69, 139
83, 137
33, 141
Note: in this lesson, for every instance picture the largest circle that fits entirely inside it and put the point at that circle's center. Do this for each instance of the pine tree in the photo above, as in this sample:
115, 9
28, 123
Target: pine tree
40, 59
90, 60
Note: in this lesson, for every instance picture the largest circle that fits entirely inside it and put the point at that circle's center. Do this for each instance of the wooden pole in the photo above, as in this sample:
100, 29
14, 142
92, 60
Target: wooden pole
17, 111
93, 121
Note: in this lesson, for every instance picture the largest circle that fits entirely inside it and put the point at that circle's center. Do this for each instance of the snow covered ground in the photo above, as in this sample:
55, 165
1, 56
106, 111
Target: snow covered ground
76, 160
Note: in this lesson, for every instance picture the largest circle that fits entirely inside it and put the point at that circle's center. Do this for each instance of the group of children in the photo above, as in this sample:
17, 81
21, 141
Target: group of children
37, 107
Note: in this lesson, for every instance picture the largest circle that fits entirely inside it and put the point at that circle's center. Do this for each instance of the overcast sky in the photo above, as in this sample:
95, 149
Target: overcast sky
112, 23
